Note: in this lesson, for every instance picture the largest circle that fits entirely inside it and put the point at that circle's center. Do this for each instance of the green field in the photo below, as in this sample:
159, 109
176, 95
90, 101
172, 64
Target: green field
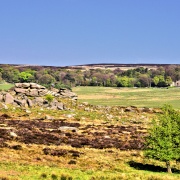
140, 97
5, 86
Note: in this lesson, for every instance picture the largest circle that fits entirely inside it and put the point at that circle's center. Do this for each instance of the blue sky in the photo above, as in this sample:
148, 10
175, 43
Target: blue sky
72, 32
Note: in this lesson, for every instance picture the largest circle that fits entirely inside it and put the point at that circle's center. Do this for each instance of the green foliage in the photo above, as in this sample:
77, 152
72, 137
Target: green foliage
44, 175
10, 74
61, 85
49, 97
163, 141
6, 86
125, 81
54, 177
124, 77
25, 76
46, 79
65, 177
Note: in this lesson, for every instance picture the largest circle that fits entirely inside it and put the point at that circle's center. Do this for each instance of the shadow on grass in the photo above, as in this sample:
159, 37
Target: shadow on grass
149, 167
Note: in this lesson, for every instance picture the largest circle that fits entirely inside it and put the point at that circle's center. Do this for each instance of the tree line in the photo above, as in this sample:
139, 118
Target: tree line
162, 76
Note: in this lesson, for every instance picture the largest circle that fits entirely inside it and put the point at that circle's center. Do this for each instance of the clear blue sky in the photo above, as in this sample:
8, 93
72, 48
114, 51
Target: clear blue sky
72, 32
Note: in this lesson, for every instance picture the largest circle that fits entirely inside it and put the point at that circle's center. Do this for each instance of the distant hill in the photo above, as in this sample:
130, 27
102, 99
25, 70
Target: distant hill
114, 66
96, 66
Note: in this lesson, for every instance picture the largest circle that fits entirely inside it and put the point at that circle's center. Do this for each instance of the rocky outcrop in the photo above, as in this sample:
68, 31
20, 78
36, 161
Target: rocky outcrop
32, 94
66, 93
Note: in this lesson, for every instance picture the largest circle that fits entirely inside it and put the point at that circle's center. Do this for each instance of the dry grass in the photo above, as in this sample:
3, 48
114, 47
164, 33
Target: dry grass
91, 163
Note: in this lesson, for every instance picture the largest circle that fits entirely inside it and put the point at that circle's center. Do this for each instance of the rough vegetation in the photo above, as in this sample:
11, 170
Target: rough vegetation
80, 141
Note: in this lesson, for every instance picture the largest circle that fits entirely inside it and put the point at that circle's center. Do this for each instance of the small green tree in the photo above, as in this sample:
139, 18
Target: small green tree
163, 141
25, 76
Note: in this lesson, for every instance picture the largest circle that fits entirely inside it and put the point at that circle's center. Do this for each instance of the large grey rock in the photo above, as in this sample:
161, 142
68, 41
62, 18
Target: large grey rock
55, 90
38, 101
42, 92
33, 92
66, 93
9, 99
36, 86
60, 106
4, 106
129, 109
19, 102
13, 134
48, 117
1, 97
30, 103
21, 90
68, 128
22, 85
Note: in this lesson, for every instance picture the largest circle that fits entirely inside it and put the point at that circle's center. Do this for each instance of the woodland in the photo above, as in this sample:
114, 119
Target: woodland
140, 76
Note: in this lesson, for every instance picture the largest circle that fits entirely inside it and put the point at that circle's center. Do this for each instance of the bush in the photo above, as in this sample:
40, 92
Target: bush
65, 177
59, 86
54, 176
43, 175
49, 97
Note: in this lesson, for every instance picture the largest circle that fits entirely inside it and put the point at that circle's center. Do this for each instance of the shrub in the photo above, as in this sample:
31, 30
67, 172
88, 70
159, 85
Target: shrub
54, 176
65, 177
49, 97
43, 175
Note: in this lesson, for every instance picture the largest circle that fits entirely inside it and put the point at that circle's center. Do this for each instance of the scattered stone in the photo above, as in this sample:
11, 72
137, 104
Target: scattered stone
36, 86
1, 97
67, 128
107, 137
60, 106
33, 92
87, 109
66, 93
30, 103
48, 117
22, 85
9, 98
4, 106
13, 135
19, 102
28, 111
85, 103
70, 115
129, 109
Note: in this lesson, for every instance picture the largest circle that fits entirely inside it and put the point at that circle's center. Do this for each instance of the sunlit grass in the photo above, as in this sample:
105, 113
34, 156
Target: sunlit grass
6, 86
140, 97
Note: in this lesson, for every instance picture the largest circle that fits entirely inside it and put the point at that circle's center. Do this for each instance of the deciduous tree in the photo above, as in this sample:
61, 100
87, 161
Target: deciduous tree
163, 141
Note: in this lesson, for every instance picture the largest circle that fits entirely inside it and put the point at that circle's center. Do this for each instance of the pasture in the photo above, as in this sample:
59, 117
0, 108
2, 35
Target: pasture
6, 86
140, 97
